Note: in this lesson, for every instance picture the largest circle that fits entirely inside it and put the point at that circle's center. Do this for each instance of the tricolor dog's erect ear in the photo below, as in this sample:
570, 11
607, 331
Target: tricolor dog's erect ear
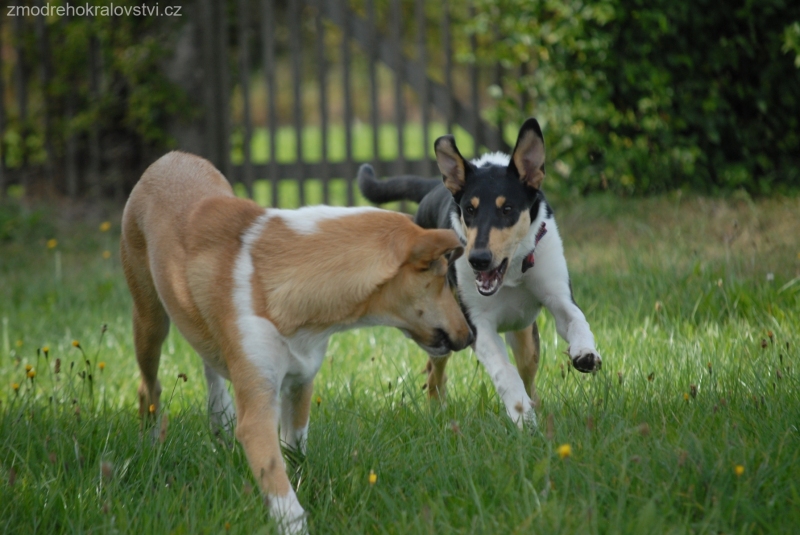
452, 165
433, 244
527, 160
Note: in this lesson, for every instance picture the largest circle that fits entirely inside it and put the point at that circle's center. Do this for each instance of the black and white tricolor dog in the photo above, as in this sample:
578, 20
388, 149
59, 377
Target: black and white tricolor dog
513, 261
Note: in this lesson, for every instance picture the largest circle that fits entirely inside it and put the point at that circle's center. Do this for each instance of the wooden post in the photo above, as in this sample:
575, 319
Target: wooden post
322, 67
268, 43
295, 50
244, 80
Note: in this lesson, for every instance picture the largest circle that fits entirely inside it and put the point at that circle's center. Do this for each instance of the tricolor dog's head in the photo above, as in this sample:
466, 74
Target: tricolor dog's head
494, 201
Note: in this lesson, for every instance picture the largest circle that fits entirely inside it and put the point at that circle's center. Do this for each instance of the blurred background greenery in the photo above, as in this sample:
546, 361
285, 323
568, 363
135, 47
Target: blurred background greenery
635, 97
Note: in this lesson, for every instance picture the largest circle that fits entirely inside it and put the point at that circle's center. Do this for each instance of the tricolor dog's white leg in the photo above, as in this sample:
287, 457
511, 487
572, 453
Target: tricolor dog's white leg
491, 352
552, 288
220, 405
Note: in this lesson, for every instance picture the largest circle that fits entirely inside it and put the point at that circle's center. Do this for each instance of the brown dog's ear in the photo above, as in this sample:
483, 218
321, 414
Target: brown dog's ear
432, 244
527, 160
451, 164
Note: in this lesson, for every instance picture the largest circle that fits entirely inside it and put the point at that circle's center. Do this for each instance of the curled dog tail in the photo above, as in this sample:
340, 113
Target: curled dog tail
399, 188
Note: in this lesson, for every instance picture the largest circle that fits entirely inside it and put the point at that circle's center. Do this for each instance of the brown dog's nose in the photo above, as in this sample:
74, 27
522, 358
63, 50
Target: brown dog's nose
460, 342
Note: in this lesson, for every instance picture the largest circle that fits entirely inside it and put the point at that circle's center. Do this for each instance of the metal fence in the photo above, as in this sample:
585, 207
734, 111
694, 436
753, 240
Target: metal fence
259, 70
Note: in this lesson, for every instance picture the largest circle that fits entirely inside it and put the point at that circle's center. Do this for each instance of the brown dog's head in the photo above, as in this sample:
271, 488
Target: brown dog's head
418, 299
495, 201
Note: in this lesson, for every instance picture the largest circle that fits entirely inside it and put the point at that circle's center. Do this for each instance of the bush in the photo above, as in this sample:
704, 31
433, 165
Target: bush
643, 97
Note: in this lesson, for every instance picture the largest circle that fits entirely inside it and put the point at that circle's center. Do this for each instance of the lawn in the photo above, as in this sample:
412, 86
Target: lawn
690, 427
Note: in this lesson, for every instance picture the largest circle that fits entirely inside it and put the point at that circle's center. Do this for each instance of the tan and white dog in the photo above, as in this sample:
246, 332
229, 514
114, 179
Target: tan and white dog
257, 293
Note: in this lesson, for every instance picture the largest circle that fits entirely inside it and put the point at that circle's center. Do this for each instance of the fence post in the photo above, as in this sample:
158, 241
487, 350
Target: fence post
423, 90
2, 121
322, 68
244, 80
295, 47
375, 115
268, 44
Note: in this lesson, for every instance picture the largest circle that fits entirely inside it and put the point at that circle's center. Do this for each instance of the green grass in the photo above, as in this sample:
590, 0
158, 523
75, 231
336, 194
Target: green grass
673, 288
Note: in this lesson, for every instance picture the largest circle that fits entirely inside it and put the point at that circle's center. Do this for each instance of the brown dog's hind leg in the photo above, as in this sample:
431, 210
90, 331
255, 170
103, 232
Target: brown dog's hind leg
150, 328
436, 383
295, 410
525, 345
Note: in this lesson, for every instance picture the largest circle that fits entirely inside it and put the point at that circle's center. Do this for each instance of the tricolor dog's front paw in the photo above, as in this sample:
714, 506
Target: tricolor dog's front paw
586, 359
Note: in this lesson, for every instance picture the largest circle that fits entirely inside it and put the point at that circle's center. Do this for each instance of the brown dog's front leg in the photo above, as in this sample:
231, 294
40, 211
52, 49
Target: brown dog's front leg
257, 431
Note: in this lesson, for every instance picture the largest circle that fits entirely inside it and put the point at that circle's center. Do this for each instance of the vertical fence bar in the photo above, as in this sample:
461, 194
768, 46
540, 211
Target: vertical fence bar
94, 132
295, 49
399, 101
322, 69
211, 123
447, 37
2, 121
45, 72
348, 107
224, 85
22, 98
498, 81
268, 41
423, 95
477, 134
524, 101
244, 80
375, 116
71, 147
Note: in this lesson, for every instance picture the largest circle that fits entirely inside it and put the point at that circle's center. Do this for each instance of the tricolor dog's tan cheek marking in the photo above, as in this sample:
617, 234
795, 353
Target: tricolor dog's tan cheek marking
500, 201
503, 242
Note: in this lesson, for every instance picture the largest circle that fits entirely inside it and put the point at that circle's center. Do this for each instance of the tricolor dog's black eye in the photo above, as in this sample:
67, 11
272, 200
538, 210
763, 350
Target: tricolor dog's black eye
470, 210
506, 209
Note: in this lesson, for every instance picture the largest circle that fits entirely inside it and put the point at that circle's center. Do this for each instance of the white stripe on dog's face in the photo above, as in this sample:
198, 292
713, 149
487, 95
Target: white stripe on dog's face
304, 220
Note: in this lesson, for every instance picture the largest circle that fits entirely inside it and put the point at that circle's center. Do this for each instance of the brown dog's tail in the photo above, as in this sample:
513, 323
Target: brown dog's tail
399, 188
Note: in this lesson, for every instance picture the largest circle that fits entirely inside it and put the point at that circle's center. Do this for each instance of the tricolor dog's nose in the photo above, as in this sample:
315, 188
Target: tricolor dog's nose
480, 259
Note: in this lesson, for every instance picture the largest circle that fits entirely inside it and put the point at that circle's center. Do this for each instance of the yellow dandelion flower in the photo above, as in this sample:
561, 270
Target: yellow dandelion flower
373, 477
46, 349
52, 243
101, 365
152, 409
15, 386
738, 470
227, 526
685, 396
564, 451
106, 255
319, 401
28, 367
31, 374
105, 226
75, 343
18, 343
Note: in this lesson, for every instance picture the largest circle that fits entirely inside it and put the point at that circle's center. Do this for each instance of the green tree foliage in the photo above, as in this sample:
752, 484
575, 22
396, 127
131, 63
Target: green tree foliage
107, 75
647, 96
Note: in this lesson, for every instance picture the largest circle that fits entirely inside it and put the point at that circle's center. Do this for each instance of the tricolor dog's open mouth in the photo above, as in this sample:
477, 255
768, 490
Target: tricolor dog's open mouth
488, 282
